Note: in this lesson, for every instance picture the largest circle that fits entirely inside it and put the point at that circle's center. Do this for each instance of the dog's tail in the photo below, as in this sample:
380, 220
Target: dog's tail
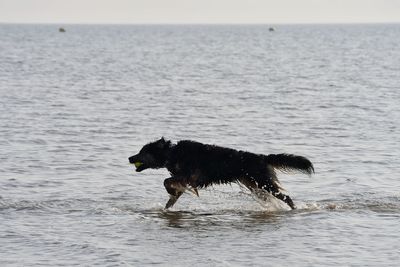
289, 163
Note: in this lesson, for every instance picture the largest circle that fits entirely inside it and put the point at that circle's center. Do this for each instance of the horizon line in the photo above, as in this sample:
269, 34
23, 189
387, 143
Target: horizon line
204, 23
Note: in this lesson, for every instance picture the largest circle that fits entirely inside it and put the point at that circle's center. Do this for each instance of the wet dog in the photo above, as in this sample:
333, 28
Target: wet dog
194, 165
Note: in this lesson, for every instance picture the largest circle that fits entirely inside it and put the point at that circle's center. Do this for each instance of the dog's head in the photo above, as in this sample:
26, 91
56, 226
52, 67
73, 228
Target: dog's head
152, 155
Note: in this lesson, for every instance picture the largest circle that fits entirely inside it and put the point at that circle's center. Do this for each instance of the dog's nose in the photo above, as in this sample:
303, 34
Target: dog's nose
131, 160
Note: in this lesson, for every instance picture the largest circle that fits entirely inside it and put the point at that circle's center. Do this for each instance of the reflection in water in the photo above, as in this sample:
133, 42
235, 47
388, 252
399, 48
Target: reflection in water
232, 218
174, 219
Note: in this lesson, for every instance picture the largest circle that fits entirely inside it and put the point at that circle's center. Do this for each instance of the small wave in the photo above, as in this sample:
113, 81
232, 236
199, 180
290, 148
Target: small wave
51, 206
387, 204
20, 205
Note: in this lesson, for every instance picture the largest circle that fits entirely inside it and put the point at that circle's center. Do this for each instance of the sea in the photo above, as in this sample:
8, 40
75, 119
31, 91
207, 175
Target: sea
75, 105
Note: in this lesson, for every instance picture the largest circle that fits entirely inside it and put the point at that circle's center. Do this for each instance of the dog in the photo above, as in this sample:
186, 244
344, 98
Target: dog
194, 165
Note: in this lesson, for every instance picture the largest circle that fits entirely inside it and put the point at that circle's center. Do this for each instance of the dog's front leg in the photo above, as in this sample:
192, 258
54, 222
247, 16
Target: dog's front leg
175, 189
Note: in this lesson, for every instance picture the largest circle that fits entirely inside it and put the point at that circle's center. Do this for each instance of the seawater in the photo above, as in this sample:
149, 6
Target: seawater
75, 105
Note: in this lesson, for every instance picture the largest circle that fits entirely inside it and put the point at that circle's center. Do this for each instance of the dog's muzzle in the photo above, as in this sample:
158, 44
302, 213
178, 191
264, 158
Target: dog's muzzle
140, 166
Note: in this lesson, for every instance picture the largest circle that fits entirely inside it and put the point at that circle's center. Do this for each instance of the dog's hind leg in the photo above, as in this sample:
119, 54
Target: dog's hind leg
285, 198
273, 189
175, 189
276, 192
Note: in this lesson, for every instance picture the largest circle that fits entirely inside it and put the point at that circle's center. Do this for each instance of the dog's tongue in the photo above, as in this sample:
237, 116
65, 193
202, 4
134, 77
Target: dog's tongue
138, 164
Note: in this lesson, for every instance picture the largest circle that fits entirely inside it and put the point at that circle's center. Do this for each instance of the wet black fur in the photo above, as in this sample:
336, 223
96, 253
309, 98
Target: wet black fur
195, 165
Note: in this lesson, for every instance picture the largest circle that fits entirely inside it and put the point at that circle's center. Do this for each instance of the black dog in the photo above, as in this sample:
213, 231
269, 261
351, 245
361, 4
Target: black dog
194, 165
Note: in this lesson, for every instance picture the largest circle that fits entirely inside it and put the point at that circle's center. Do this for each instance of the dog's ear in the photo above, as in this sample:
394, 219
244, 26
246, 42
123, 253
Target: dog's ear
162, 143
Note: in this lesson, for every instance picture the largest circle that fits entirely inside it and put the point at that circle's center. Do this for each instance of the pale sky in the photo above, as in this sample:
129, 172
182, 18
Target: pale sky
199, 11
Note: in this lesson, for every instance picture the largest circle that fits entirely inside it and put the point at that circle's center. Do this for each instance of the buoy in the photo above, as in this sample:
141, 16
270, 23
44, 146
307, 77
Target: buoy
61, 30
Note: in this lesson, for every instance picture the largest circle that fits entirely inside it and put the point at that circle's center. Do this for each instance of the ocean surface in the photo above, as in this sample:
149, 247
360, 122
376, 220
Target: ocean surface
75, 105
